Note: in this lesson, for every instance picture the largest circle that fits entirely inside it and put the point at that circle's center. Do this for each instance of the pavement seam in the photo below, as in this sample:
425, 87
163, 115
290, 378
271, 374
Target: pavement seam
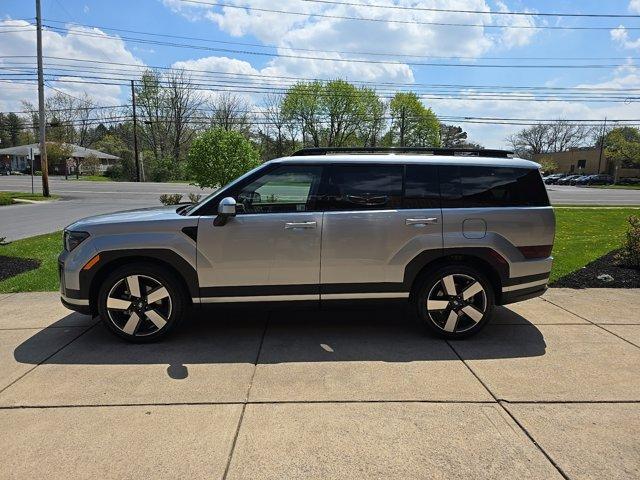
47, 358
8, 295
593, 323
246, 400
515, 420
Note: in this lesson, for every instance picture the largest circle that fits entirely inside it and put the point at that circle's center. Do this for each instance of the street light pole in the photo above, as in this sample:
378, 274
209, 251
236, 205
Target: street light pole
135, 132
44, 165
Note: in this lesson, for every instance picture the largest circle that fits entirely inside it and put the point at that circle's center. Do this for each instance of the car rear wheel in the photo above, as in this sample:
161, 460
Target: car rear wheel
141, 303
455, 301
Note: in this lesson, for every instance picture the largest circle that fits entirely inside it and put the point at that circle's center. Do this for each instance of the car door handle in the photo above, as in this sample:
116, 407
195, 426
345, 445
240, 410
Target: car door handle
297, 225
421, 222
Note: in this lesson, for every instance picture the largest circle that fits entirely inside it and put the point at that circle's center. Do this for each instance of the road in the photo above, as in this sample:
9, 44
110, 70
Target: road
82, 199
79, 199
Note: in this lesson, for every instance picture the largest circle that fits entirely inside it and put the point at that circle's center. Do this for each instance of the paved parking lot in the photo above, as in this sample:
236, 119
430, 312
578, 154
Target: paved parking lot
550, 390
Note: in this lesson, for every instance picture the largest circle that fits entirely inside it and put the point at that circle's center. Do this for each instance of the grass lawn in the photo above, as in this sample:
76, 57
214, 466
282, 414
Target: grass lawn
582, 235
618, 187
43, 279
6, 198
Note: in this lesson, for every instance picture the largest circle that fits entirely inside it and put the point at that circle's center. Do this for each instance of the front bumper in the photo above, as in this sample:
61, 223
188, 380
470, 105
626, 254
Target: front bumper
71, 298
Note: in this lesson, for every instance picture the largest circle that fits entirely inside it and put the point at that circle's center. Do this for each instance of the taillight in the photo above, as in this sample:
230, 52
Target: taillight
536, 251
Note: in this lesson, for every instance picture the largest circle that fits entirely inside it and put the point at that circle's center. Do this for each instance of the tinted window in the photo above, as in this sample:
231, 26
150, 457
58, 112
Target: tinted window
469, 187
288, 188
361, 187
421, 187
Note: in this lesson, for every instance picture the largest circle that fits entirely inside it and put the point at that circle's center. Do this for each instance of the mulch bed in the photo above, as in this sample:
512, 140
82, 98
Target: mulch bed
587, 276
11, 266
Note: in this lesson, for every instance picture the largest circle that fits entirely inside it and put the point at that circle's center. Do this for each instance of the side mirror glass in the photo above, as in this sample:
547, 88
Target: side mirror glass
226, 209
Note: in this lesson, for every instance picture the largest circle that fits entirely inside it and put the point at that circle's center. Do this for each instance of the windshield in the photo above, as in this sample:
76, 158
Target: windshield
194, 206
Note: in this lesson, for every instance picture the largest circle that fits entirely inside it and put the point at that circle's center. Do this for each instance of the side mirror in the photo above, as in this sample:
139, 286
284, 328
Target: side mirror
226, 209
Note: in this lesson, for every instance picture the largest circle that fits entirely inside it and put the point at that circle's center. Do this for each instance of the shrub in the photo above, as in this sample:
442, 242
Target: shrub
218, 156
194, 197
630, 253
170, 198
5, 199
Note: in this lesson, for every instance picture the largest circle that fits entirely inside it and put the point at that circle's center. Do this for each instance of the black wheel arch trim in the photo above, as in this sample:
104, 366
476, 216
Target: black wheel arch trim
110, 257
428, 257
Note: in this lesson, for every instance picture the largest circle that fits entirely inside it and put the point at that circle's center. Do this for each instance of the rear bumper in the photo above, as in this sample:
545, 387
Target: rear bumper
523, 288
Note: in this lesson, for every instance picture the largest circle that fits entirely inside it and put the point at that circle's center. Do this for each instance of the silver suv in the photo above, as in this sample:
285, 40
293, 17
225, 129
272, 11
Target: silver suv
454, 232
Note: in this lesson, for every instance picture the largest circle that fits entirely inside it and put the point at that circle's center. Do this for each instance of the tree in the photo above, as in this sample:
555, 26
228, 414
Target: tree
622, 146
452, 136
58, 155
334, 113
11, 127
549, 138
412, 124
548, 166
218, 156
230, 112
90, 164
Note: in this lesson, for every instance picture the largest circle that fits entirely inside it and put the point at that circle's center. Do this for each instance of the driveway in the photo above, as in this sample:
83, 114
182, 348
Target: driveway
550, 389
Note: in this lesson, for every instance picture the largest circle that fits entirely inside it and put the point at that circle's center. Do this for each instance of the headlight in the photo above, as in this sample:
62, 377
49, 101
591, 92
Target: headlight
73, 239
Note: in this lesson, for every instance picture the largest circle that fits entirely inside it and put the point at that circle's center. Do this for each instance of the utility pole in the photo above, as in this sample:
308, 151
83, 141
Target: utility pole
44, 165
402, 127
135, 132
604, 129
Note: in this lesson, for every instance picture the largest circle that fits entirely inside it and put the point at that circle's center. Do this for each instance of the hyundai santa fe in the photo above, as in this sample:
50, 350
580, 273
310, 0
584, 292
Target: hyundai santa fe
451, 232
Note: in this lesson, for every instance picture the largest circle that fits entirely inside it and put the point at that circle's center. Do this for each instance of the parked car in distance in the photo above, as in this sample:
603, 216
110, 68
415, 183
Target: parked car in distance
579, 178
629, 181
552, 179
566, 180
452, 232
601, 179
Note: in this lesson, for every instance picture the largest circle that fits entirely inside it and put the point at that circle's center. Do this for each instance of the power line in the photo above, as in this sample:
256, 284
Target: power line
403, 22
342, 52
481, 12
138, 69
353, 60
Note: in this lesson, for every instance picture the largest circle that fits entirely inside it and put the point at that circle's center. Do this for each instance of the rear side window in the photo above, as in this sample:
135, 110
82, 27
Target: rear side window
476, 186
361, 187
421, 187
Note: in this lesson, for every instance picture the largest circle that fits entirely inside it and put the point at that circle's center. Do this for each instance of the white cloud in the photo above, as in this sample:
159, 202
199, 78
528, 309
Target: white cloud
634, 6
493, 136
97, 47
320, 36
620, 35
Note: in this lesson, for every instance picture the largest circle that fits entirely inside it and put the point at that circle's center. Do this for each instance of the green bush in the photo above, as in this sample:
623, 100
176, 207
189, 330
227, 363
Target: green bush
630, 253
218, 156
5, 199
194, 197
170, 198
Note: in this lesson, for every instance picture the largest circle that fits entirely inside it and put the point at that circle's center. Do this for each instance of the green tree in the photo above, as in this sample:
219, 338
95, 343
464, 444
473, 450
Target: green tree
58, 155
548, 166
218, 156
622, 146
412, 124
334, 113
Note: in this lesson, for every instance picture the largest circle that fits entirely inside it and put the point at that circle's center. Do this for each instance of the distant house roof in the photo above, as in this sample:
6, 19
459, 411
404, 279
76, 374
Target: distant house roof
78, 151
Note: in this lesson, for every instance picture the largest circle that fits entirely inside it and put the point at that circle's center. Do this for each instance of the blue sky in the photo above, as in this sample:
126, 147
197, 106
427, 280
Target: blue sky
397, 42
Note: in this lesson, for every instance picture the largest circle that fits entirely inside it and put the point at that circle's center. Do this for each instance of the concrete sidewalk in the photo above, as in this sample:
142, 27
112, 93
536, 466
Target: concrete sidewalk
550, 389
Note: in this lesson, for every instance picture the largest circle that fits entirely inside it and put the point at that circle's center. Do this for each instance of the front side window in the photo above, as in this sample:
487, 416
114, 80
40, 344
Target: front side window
288, 188
477, 186
361, 187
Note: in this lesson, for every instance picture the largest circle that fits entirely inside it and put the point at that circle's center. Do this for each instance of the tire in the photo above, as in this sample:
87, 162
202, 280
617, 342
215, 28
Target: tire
450, 310
129, 311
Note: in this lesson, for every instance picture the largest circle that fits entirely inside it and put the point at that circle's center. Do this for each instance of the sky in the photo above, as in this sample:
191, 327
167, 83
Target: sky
460, 70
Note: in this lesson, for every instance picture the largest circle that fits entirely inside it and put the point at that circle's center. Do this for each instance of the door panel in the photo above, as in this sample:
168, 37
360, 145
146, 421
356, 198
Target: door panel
366, 247
271, 249
260, 250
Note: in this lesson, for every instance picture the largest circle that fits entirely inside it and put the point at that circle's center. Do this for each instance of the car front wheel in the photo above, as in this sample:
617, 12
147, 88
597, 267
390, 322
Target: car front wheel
141, 303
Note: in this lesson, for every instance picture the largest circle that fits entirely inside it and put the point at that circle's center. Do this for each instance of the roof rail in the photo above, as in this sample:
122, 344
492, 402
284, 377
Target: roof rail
458, 152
